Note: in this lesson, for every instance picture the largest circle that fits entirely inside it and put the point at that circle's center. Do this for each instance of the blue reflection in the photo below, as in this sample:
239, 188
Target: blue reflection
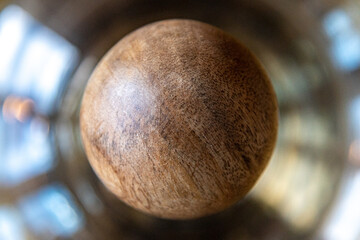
345, 39
13, 28
11, 227
35, 62
52, 210
26, 151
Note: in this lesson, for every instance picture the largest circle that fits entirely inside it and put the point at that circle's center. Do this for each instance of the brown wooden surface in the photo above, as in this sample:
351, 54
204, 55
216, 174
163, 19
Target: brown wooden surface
179, 119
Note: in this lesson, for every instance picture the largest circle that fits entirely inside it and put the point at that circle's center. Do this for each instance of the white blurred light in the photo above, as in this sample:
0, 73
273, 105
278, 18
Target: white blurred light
345, 219
13, 27
11, 227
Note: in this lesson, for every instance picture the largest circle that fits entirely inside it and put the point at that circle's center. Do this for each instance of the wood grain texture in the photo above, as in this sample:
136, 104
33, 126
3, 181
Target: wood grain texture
179, 119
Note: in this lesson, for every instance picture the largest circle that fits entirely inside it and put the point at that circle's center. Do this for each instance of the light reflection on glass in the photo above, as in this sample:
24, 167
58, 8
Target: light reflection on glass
297, 179
345, 218
300, 177
52, 212
11, 226
345, 39
35, 62
26, 151
306, 129
13, 28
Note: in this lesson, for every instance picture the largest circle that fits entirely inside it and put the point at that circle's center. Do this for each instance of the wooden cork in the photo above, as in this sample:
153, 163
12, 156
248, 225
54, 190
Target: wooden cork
179, 119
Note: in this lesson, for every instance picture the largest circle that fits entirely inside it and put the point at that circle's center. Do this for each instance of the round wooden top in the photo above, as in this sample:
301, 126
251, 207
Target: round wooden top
179, 119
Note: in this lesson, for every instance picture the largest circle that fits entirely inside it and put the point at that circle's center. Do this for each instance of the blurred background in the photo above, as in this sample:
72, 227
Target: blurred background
311, 50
